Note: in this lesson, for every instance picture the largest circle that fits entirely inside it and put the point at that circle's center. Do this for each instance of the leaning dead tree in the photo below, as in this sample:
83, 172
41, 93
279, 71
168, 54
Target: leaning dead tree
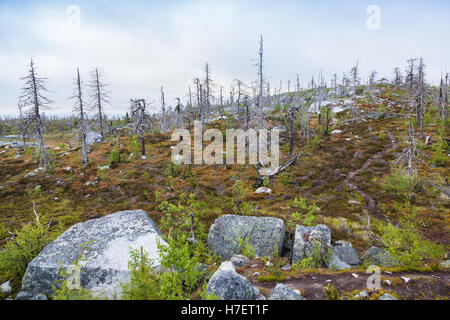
260, 178
100, 97
141, 120
35, 101
79, 109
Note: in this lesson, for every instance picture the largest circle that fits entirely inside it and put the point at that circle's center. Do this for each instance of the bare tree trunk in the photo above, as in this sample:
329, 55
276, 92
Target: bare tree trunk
111, 133
260, 73
163, 108
80, 108
22, 125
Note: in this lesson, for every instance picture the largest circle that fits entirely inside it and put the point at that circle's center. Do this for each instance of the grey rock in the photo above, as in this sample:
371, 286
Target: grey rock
386, 296
239, 260
263, 190
336, 263
30, 174
445, 264
345, 252
307, 237
23, 295
263, 235
283, 292
105, 263
6, 287
376, 115
286, 267
227, 284
378, 256
362, 294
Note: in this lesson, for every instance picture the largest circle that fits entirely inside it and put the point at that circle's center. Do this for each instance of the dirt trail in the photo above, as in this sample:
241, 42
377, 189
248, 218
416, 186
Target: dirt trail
421, 285
371, 202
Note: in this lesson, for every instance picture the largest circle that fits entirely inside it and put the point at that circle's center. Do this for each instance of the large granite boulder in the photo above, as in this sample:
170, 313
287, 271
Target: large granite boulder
378, 256
283, 292
227, 284
263, 234
306, 238
104, 244
346, 253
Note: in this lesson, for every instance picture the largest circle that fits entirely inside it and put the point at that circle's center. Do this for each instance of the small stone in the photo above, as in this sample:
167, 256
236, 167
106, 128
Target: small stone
362, 294
336, 131
386, 296
263, 190
239, 260
286, 267
283, 292
256, 274
269, 264
445, 264
406, 279
6, 287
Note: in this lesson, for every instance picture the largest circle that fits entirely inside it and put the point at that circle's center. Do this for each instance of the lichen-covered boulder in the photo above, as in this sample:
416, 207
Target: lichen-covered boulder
378, 256
262, 233
306, 238
283, 292
227, 284
346, 253
104, 244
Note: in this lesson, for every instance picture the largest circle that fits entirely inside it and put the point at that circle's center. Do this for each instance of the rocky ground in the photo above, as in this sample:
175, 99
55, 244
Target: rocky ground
342, 176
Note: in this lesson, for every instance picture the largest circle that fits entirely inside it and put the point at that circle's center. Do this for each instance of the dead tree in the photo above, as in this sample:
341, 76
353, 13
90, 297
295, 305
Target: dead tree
291, 118
372, 79
410, 154
208, 84
220, 106
178, 110
199, 100
81, 116
260, 81
35, 101
398, 78
410, 70
240, 92
111, 133
419, 95
441, 100
100, 97
22, 126
163, 113
141, 120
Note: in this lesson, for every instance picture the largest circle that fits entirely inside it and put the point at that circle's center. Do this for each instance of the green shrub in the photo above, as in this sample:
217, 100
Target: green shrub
440, 157
179, 277
19, 252
399, 183
135, 146
113, 160
331, 292
317, 259
246, 249
406, 245
306, 215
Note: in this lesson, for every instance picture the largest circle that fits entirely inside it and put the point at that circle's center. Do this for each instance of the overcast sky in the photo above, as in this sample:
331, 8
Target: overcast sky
141, 45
